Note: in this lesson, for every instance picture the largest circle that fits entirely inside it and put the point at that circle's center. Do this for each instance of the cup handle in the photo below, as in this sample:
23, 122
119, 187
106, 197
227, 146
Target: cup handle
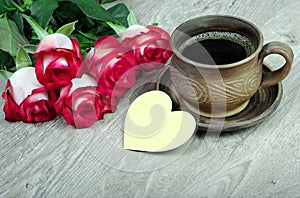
274, 77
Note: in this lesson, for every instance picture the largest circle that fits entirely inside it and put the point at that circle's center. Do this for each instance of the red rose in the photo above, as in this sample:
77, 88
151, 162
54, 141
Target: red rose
58, 60
151, 45
26, 99
93, 61
113, 66
118, 74
80, 102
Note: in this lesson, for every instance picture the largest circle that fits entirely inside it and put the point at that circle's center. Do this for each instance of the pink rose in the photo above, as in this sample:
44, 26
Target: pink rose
151, 45
118, 74
93, 61
80, 102
26, 99
113, 66
58, 60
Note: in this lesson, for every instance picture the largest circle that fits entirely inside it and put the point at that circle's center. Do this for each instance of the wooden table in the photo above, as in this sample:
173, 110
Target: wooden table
52, 159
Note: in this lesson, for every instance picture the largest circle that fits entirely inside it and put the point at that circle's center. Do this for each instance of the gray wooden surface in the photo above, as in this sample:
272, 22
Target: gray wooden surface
53, 159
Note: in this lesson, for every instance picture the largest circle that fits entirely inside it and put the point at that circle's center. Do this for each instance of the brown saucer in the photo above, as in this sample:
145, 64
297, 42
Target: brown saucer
261, 105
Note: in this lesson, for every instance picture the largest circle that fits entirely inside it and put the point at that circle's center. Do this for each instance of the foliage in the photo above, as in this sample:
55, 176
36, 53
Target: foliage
24, 23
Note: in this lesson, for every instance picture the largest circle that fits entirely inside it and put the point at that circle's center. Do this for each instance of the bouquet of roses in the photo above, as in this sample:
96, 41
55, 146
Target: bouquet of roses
65, 76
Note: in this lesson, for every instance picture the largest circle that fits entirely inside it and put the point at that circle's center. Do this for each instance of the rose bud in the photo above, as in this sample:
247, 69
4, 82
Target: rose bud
113, 66
26, 99
58, 60
151, 45
80, 103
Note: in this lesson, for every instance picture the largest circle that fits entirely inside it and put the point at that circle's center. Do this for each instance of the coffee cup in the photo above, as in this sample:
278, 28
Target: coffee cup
217, 65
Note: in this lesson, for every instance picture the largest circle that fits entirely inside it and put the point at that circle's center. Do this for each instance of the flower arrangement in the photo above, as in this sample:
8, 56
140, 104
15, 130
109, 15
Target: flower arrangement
62, 58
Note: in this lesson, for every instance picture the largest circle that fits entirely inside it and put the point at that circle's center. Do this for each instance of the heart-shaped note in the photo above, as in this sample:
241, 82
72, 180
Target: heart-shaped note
151, 126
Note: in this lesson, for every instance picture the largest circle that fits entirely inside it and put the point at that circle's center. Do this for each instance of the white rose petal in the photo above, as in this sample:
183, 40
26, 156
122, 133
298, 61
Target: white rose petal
46, 61
84, 81
49, 58
134, 30
23, 82
62, 61
55, 40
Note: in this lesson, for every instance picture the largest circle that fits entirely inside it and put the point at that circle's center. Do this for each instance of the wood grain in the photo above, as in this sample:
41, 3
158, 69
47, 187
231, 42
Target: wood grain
50, 159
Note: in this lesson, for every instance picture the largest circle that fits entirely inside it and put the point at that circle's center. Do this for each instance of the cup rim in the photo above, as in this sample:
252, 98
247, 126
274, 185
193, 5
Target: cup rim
211, 66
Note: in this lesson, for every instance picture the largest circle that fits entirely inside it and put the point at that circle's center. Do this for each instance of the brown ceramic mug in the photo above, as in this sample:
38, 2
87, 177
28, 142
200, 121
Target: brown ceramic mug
222, 85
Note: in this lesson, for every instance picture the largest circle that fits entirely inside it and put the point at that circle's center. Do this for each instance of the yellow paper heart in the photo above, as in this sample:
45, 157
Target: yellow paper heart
151, 126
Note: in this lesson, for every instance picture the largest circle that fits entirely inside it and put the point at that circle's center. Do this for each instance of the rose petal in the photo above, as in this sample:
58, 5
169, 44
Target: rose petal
127, 80
153, 54
63, 94
22, 83
107, 42
93, 62
38, 111
37, 107
165, 45
47, 59
86, 63
37, 96
68, 115
133, 31
84, 81
151, 66
76, 48
141, 39
11, 109
54, 41
60, 62
117, 54
163, 33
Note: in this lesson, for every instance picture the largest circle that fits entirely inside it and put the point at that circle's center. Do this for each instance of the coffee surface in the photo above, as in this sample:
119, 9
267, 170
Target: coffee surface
217, 48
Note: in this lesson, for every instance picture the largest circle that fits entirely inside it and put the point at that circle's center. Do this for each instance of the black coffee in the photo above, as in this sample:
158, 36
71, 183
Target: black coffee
217, 48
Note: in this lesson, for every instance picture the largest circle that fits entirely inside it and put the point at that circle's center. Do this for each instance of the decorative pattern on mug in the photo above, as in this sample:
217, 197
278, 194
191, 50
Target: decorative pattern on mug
232, 92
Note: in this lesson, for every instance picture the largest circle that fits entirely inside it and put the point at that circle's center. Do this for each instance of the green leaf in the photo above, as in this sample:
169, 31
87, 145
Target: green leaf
30, 49
88, 35
18, 19
41, 11
87, 23
67, 12
6, 61
67, 29
93, 9
131, 19
117, 28
28, 2
120, 12
107, 1
40, 32
23, 59
5, 74
10, 36
6, 6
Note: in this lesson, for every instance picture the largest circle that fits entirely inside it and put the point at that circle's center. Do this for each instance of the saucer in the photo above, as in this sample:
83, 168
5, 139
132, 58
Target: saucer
259, 108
